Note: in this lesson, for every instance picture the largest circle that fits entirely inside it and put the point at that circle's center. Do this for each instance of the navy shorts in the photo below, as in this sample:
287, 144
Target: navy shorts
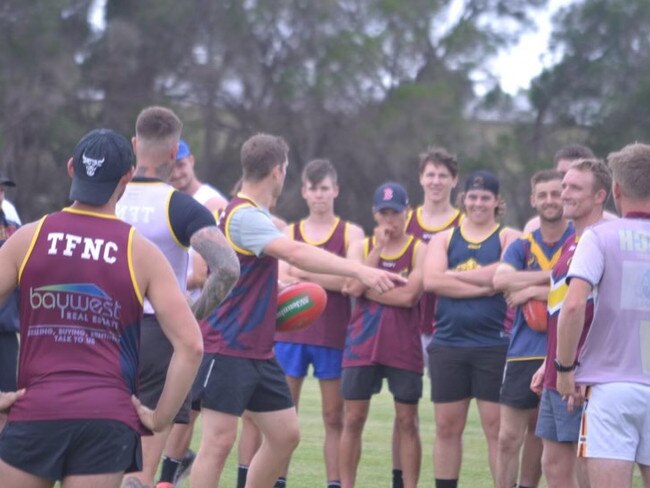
54, 449
361, 382
554, 422
155, 354
458, 373
515, 389
231, 384
296, 358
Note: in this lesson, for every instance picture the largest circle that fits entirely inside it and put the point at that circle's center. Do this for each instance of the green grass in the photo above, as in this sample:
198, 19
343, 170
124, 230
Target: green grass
307, 466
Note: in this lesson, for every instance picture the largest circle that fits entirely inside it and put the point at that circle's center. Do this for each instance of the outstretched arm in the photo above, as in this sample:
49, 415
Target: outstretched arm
327, 281
213, 247
317, 260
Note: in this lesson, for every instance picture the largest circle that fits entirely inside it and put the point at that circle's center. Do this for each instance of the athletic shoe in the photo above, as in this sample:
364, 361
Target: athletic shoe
184, 469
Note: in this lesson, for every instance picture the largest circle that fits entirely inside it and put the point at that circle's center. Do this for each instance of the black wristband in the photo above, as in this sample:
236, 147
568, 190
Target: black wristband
560, 368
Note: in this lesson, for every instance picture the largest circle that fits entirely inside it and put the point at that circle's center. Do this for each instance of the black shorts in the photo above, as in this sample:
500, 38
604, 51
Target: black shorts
231, 384
54, 449
361, 382
8, 360
515, 389
458, 373
155, 354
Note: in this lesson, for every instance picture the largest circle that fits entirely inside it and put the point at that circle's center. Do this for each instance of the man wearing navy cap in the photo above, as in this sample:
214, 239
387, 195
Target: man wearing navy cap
83, 276
468, 350
383, 338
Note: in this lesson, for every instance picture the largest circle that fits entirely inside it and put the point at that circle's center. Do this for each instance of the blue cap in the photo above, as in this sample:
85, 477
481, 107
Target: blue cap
391, 195
183, 150
482, 180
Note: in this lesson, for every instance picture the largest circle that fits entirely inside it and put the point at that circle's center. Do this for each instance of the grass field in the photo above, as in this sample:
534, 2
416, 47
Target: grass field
307, 467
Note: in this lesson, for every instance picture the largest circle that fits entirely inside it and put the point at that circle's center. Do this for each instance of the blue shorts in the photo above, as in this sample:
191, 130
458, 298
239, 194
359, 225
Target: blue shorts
554, 422
296, 358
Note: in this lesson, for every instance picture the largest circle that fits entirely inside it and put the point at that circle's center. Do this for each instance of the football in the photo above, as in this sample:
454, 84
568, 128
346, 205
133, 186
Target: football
299, 305
535, 315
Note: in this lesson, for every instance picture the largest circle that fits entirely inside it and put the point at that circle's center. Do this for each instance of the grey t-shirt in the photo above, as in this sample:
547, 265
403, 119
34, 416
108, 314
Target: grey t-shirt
251, 228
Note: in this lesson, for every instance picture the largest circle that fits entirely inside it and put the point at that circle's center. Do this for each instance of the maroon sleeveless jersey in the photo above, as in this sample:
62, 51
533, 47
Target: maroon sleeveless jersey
80, 312
243, 324
385, 334
329, 328
416, 227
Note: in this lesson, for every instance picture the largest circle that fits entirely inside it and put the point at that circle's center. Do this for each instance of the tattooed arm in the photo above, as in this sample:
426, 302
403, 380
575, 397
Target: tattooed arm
223, 264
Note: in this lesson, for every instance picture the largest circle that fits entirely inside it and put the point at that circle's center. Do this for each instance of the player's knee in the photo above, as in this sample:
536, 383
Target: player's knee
408, 424
354, 422
510, 439
219, 443
557, 468
286, 439
449, 429
333, 419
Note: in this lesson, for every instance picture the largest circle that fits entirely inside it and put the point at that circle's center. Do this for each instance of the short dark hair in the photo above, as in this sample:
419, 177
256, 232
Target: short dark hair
438, 155
573, 152
317, 170
545, 176
158, 124
260, 154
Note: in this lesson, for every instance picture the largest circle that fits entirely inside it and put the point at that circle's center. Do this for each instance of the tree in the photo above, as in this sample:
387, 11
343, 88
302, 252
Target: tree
602, 81
38, 95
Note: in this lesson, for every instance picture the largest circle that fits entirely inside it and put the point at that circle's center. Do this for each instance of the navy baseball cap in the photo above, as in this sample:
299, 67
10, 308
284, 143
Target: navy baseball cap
183, 150
391, 195
100, 159
6, 181
482, 180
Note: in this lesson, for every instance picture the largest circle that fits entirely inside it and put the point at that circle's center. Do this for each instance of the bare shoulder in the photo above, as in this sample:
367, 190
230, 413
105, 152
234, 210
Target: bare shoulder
441, 238
355, 232
532, 225
216, 204
509, 234
17, 246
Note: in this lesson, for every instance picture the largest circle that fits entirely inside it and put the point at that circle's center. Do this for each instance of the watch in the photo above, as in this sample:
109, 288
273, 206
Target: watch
561, 368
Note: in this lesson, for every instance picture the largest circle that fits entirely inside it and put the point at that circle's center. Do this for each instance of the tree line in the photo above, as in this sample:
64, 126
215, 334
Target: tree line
366, 83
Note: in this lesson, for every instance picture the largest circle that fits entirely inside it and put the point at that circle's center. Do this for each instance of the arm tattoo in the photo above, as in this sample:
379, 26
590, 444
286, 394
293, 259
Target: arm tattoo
222, 261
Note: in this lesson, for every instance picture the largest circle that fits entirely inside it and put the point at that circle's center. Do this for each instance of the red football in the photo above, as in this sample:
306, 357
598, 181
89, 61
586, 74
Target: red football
535, 315
299, 305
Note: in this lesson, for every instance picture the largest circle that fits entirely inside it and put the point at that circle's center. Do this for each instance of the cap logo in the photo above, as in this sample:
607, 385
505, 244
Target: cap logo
478, 182
388, 194
91, 164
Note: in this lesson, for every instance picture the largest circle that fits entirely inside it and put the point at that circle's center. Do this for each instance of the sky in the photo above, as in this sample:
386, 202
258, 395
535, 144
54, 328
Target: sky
520, 64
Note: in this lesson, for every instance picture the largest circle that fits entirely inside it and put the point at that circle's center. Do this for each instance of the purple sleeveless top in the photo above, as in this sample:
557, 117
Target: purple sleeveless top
243, 324
384, 334
415, 227
80, 312
329, 329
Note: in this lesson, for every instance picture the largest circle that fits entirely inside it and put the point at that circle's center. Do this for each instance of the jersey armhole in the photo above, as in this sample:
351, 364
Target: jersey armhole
30, 249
